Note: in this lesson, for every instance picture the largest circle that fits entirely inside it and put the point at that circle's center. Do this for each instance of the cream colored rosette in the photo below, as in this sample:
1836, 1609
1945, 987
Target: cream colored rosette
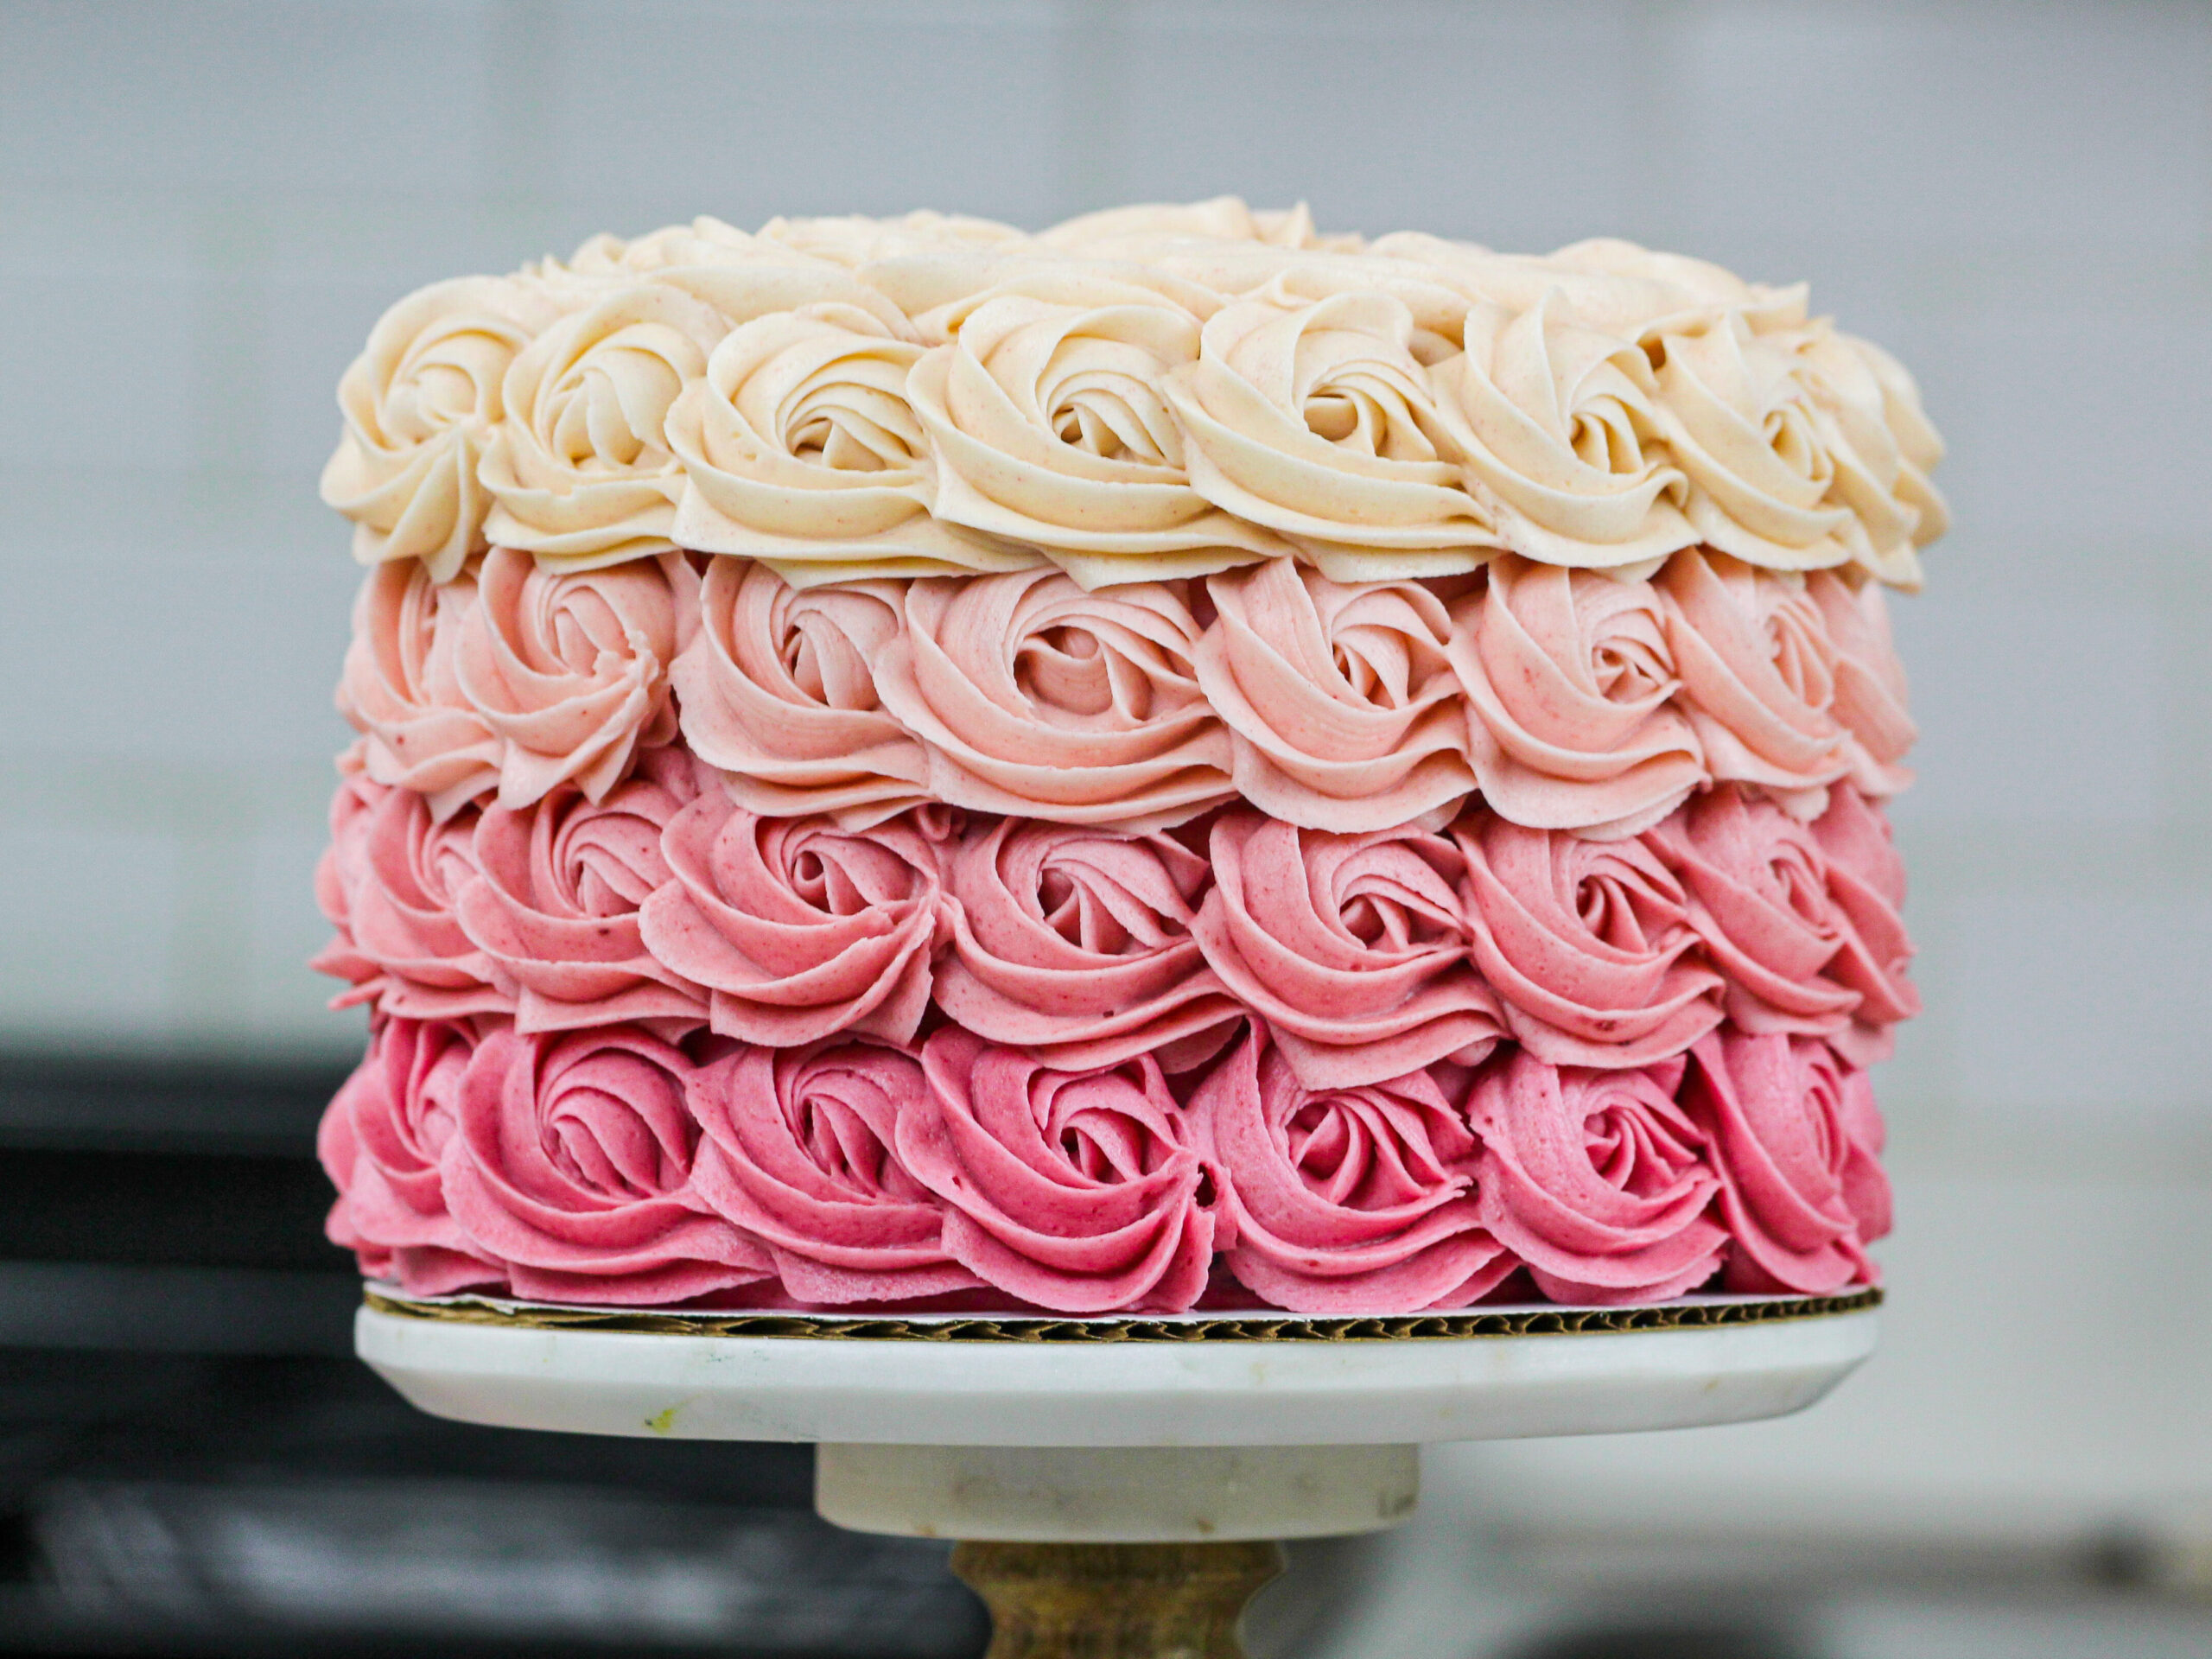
580, 471
1881, 444
1554, 422
1317, 421
799, 446
420, 402
1049, 428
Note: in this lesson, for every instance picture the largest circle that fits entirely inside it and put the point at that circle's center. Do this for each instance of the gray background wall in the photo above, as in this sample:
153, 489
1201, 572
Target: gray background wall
203, 206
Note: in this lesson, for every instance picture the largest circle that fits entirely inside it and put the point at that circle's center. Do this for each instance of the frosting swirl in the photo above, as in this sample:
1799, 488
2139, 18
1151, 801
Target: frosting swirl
1865, 883
1075, 945
1076, 1191
571, 670
778, 689
1353, 947
399, 690
1341, 704
1032, 697
1870, 685
1345, 1199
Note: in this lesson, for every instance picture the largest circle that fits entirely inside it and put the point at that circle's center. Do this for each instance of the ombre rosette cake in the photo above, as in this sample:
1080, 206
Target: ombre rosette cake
1175, 763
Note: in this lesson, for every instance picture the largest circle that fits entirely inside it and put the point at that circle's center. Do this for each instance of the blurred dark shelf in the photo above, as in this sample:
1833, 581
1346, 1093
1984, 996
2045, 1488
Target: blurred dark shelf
147, 1103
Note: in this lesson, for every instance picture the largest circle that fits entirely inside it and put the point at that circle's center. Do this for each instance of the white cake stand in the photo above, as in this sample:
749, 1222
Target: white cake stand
1124, 1471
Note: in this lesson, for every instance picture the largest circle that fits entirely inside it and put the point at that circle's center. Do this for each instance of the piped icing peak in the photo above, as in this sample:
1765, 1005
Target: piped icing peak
1143, 394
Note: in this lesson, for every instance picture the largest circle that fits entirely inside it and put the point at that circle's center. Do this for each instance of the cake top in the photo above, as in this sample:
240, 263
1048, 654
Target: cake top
1146, 394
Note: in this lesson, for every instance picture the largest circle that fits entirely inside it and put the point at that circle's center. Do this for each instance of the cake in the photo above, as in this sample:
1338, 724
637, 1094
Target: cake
1173, 763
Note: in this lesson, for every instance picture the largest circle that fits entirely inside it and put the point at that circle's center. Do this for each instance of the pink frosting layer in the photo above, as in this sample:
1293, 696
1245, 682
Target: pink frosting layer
1570, 699
612, 1168
1368, 956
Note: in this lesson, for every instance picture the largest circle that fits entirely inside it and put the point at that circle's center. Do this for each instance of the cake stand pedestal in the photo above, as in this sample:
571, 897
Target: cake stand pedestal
1118, 1485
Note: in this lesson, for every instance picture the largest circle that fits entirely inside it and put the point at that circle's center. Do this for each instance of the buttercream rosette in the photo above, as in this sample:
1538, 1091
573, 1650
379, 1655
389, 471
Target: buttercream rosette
1176, 763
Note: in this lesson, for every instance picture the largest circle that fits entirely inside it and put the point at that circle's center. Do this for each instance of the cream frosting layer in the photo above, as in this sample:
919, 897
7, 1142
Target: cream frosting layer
1139, 395
667, 906
610, 1166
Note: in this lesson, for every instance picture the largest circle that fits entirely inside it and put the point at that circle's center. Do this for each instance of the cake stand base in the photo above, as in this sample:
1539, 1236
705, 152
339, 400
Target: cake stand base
1116, 1601
1117, 1495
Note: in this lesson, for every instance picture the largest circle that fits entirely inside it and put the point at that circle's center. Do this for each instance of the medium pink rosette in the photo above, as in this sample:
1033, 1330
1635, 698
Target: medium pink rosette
399, 692
796, 1152
1758, 674
1570, 686
390, 882
1343, 710
1870, 686
1759, 891
1075, 1191
379, 1143
1800, 1191
571, 671
1353, 947
1035, 698
1344, 1201
1588, 943
1866, 884
1075, 945
571, 1162
778, 689
1597, 1180
556, 910
798, 930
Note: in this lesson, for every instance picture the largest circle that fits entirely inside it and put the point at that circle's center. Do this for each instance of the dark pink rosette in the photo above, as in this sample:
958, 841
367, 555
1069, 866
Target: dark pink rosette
1075, 943
379, 1142
556, 910
1342, 707
798, 1152
1758, 674
390, 882
799, 928
1758, 890
1870, 684
569, 670
1344, 1201
1588, 943
1572, 721
572, 1164
398, 688
1793, 1134
1075, 1191
1035, 698
778, 689
1597, 1180
1353, 947
1866, 883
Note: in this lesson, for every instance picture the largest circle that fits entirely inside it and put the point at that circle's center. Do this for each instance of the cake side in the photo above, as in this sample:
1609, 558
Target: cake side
1172, 762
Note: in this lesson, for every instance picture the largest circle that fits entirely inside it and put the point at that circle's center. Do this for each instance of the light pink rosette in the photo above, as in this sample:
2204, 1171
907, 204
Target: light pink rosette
398, 688
557, 910
571, 672
1075, 944
1865, 880
1597, 1180
1758, 674
778, 689
1353, 947
799, 928
1588, 943
1758, 885
571, 1162
796, 1152
1870, 685
1075, 1191
1344, 1201
1035, 698
390, 882
1800, 1192
1570, 685
1343, 710
379, 1143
